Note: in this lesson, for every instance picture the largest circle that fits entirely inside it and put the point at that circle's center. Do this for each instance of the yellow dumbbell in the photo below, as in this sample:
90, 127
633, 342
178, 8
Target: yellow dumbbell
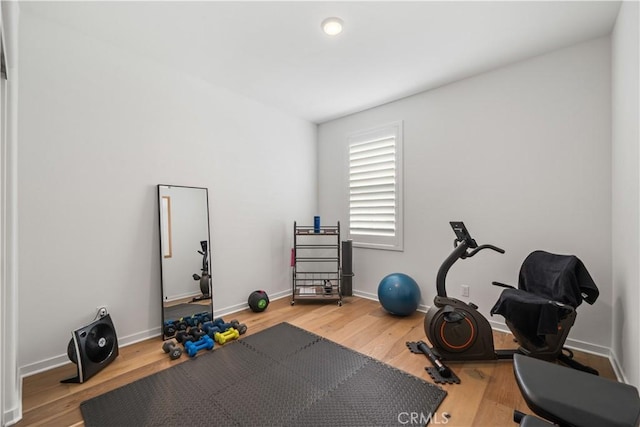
228, 335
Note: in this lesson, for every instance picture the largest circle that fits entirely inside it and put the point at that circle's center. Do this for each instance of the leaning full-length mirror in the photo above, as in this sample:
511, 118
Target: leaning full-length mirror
185, 257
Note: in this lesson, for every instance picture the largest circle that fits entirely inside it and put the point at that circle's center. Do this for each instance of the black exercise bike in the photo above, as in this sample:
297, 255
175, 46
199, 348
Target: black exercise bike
205, 277
458, 332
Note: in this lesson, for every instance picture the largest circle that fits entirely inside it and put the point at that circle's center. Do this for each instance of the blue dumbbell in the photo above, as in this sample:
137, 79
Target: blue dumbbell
204, 343
222, 326
170, 328
191, 321
203, 317
210, 328
240, 327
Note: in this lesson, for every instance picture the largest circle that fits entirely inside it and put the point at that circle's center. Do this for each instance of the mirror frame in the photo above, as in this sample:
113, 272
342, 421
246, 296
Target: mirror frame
163, 255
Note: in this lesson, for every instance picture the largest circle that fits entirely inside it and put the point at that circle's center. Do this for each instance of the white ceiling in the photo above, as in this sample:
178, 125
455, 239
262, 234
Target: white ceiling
276, 53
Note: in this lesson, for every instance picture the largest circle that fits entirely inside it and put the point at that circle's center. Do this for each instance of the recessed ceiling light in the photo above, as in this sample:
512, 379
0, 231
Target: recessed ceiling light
332, 26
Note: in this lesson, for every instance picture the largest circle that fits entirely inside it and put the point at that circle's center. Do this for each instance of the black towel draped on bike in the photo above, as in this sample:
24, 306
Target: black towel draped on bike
546, 284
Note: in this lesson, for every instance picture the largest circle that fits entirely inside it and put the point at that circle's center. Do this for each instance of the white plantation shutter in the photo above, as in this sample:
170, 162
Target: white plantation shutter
374, 187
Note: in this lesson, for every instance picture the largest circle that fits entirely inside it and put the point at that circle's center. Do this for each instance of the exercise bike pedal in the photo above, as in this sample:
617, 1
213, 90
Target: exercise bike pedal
440, 373
438, 378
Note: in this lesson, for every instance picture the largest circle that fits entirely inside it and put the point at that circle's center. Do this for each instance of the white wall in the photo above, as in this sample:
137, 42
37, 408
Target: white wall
626, 192
99, 128
521, 154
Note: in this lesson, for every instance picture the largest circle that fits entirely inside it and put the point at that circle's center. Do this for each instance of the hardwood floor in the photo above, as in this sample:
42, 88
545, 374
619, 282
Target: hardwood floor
486, 396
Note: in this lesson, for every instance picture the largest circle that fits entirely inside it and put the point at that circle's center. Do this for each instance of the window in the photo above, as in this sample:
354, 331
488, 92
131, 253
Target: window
375, 187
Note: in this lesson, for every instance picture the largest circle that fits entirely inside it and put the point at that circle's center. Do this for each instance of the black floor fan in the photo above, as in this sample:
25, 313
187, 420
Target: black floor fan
92, 348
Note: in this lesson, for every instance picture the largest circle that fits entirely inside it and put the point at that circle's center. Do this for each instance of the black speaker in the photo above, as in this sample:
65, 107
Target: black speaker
92, 348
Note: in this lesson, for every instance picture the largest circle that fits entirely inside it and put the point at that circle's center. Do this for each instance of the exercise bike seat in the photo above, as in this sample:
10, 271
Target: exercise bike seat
574, 398
542, 310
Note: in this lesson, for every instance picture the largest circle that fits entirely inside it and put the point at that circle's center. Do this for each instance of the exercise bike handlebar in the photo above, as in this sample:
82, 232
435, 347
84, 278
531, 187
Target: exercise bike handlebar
459, 252
481, 247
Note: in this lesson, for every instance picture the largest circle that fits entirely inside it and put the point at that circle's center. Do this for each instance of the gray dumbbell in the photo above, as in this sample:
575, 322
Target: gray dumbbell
240, 327
172, 348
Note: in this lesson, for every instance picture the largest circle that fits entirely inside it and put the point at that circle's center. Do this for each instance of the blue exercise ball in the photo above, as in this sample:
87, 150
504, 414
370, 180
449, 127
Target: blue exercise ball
399, 294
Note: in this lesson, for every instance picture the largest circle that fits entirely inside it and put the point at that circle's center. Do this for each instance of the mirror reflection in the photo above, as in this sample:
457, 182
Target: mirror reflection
185, 257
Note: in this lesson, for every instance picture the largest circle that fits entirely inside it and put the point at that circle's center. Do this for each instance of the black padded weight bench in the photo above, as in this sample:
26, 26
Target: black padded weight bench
568, 397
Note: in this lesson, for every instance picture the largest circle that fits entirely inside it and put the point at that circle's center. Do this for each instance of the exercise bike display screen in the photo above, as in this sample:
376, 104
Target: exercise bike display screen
462, 233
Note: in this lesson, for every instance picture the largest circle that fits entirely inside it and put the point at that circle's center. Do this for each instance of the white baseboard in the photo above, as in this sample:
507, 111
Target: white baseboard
617, 369
54, 362
63, 359
219, 312
43, 365
182, 296
571, 343
12, 416
365, 295
374, 297
588, 347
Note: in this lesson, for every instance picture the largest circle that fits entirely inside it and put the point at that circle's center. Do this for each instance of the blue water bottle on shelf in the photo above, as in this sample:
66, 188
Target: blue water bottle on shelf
316, 224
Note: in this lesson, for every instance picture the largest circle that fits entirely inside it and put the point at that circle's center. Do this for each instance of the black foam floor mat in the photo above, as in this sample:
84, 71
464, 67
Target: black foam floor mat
282, 376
